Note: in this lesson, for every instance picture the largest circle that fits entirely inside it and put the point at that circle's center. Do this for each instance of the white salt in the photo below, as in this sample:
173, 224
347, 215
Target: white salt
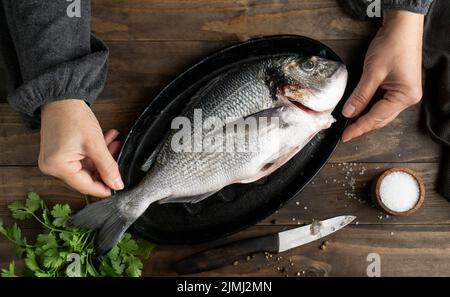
399, 191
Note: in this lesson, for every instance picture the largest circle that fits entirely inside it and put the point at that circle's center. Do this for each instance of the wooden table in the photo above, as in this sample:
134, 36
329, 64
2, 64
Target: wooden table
153, 40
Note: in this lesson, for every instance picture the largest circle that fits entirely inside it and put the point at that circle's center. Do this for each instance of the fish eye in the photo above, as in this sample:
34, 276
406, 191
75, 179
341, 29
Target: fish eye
308, 65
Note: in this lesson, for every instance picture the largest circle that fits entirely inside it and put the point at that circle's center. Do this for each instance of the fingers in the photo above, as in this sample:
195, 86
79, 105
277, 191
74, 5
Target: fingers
104, 162
383, 112
113, 147
83, 182
363, 93
111, 135
73, 174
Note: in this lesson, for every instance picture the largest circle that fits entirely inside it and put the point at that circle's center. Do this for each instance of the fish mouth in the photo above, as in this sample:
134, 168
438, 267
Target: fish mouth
301, 106
294, 102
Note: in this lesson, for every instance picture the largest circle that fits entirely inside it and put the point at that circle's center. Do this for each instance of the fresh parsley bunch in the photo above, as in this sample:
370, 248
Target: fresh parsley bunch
65, 250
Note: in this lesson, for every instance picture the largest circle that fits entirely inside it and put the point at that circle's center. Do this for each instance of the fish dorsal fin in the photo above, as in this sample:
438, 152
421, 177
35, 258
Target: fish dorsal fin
187, 199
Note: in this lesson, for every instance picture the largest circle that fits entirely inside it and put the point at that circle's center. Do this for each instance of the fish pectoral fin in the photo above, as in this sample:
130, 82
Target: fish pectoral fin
150, 160
270, 166
187, 199
262, 114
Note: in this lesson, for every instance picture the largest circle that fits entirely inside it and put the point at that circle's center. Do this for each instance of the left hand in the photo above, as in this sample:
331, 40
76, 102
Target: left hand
74, 149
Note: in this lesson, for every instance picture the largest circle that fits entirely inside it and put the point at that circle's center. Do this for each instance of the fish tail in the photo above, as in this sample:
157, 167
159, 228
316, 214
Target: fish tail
108, 218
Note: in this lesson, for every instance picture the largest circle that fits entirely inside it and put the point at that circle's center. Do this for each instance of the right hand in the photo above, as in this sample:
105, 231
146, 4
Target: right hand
74, 149
394, 64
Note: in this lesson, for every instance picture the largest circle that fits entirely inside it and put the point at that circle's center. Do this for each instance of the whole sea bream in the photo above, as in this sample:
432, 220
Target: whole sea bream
241, 126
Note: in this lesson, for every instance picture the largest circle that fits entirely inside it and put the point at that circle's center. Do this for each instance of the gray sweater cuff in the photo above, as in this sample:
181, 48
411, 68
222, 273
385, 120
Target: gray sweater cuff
82, 78
58, 56
417, 6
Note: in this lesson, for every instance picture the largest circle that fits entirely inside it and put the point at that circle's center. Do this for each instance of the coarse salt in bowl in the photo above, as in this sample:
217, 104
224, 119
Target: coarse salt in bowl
400, 191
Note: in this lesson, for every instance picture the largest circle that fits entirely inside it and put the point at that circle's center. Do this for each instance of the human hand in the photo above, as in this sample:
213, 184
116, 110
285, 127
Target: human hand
74, 149
393, 63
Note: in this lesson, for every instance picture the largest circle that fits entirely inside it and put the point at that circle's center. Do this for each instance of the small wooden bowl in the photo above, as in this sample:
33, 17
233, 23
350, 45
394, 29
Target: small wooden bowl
380, 203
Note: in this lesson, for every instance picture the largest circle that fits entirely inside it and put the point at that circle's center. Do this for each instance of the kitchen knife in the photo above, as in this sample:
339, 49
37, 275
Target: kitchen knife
275, 243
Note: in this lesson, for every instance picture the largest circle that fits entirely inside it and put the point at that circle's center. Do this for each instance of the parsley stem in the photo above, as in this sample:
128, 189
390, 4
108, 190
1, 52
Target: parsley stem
85, 241
53, 228
89, 260
44, 224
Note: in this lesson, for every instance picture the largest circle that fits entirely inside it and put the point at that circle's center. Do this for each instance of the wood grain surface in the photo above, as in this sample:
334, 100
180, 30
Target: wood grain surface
151, 41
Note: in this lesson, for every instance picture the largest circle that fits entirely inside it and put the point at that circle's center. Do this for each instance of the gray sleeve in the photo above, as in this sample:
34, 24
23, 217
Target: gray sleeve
417, 6
58, 56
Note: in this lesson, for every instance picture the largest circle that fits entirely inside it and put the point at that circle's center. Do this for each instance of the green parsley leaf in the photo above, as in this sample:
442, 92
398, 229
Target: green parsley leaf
14, 234
46, 241
30, 261
21, 247
116, 262
10, 272
45, 215
33, 202
48, 256
67, 237
145, 248
43, 274
52, 259
134, 266
106, 269
18, 210
2, 229
61, 213
128, 245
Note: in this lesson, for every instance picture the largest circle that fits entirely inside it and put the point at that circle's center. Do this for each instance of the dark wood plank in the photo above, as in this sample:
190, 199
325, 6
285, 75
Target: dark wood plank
16, 182
345, 189
218, 20
152, 41
154, 64
405, 250
323, 197
404, 140
138, 70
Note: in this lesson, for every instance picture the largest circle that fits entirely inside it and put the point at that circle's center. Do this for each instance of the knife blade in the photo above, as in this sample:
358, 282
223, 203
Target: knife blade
275, 243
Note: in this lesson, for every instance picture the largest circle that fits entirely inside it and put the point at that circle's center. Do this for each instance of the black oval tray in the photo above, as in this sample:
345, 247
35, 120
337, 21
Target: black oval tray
236, 206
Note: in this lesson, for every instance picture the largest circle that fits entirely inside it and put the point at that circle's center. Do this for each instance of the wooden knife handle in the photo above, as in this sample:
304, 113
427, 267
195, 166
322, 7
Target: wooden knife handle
227, 254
